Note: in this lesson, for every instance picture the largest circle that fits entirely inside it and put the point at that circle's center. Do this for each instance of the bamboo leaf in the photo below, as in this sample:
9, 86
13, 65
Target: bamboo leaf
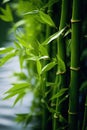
18, 86
19, 97
48, 67
19, 23
31, 12
50, 84
38, 63
43, 50
6, 50
17, 89
9, 96
61, 66
59, 94
5, 1
44, 57
7, 57
46, 19
7, 14
53, 37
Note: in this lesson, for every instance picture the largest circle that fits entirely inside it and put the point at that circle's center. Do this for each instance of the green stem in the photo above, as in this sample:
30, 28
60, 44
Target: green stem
74, 84
62, 54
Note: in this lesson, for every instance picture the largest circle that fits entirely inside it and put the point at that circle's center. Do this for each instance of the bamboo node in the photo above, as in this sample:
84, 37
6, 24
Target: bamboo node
75, 21
62, 72
55, 115
72, 113
75, 68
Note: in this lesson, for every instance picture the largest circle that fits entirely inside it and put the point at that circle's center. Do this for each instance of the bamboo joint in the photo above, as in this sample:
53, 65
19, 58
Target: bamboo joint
62, 72
75, 68
75, 20
72, 113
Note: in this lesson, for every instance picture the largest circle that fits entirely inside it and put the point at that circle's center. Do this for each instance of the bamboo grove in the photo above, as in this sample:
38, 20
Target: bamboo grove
50, 41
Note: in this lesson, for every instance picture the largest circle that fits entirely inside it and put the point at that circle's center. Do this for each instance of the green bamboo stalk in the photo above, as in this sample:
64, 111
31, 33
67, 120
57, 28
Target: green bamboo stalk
75, 63
45, 116
62, 54
85, 116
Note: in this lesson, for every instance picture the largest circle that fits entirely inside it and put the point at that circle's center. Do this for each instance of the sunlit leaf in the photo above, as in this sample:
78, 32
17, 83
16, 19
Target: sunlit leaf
46, 19
7, 57
61, 66
60, 93
6, 50
20, 75
19, 97
18, 45
5, 1
39, 67
21, 60
18, 86
31, 12
17, 89
48, 67
6, 14
53, 37
44, 57
43, 50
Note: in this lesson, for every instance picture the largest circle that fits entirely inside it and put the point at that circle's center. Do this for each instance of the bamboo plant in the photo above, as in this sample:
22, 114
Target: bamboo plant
41, 45
75, 66
61, 74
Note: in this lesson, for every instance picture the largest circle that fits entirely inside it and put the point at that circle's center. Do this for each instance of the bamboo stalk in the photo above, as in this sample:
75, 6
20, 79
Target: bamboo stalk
75, 63
45, 124
62, 54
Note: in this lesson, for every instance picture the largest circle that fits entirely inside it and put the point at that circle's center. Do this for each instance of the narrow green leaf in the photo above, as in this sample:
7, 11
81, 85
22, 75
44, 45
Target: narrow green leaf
53, 37
44, 57
31, 12
6, 50
46, 19
18, 45
61, 66
48, 67
50, 84
18, 86
7, 57
59, 94
21, 60
9, 96
7, 14
39, 67
19, 23
43, 50
19, 97
5, 1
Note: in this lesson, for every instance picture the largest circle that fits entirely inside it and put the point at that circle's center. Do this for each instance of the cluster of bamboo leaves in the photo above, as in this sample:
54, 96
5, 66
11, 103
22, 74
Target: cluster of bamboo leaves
47, 43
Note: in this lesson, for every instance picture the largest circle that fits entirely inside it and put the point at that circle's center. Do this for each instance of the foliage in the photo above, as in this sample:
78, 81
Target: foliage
37, 35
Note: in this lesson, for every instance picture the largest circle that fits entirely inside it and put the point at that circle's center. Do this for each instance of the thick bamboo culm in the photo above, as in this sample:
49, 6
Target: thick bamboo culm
75, 66
62, 54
